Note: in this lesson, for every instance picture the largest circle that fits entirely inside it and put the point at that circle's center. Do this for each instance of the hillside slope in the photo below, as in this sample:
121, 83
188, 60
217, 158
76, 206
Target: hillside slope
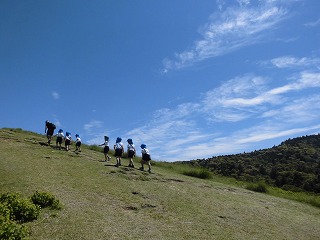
293, 165
101, 201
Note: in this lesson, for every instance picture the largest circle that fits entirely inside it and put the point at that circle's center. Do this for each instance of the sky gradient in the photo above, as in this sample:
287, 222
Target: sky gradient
190, 79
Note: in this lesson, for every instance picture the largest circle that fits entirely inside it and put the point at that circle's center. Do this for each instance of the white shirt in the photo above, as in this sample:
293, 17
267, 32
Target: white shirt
68, 137
60, 134
131, 147
119, 145
145, 151
78, 139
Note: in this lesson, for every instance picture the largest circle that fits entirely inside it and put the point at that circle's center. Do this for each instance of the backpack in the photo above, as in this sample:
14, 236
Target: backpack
51, 125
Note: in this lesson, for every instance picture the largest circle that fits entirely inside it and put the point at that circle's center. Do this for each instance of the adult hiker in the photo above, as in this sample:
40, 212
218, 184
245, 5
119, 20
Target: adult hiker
119, 149
145, 157
131, 152
49, 129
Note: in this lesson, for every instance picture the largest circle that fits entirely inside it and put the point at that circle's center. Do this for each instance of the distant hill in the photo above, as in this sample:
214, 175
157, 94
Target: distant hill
293, 165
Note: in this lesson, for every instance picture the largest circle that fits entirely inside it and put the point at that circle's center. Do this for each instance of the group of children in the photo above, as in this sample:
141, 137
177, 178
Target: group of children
118, 146
67, 140
49, 129
131, 151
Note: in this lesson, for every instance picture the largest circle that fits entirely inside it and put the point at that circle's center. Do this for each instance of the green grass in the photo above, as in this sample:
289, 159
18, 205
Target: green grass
100, 201
262, 187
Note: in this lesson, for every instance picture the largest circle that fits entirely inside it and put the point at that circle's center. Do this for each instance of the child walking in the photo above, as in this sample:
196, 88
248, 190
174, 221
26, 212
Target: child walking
106, 148
119, 149
59, 139
131, 152
145, 157
67, 141
78, 143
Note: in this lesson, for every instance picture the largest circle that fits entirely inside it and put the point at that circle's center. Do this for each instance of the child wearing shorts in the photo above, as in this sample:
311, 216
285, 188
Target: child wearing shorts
78, 143
119, 149
131, 152
145, 157
106, 148
59, 139
67, 141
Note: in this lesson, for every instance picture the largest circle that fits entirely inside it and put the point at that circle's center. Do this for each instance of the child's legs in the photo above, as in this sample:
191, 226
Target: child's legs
149, 164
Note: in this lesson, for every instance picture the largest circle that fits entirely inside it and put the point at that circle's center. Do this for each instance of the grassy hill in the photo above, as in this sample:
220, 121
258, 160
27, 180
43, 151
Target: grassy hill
101, 201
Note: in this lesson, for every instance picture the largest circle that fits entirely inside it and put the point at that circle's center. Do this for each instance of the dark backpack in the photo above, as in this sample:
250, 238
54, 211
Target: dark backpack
51, 125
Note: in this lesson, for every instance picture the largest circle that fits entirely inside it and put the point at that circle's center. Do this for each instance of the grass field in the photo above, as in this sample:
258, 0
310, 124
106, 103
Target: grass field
101, 201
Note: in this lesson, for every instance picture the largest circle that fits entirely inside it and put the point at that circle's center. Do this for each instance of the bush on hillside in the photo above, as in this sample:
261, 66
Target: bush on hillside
45, 199
258, 187
15, 210
11, 230
202, 173
21, 210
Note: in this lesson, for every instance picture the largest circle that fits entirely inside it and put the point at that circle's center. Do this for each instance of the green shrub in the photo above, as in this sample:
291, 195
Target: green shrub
11, 230
15, 210
258, 187
8, 228
44, 199
203, 173
4, 211
314, 201
21, 209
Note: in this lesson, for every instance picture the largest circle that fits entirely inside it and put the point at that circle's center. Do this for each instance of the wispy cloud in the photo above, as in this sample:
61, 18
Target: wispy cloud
229, 30
55, 95
313, 24
293, 62
92, 125
251, 91
299, 110
95, 130
276, 110
262, 133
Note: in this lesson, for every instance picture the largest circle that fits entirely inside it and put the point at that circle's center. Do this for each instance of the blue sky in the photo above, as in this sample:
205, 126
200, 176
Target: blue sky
190, 79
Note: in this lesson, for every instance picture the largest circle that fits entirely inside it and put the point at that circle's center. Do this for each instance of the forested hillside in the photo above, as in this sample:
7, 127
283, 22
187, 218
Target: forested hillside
293, 165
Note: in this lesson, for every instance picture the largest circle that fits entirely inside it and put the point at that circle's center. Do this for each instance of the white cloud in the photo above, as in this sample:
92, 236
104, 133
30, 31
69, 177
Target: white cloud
299, 110
220, 4
55, 95
240, 97
95, 132
293, 62
243, 2
261, 134
92, 126
313, 24
229, 30
192, 130
235, 100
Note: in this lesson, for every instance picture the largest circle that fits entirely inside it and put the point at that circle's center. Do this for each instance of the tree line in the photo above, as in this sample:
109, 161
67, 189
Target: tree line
293, 165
